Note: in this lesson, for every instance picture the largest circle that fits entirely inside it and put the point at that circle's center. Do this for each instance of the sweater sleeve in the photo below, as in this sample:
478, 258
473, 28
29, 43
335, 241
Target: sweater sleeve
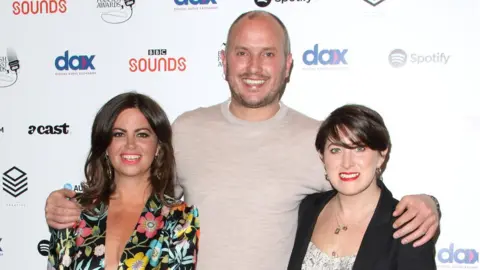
61, 249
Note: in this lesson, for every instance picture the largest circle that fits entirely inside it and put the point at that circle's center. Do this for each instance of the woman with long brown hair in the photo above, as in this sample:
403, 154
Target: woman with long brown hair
129, 219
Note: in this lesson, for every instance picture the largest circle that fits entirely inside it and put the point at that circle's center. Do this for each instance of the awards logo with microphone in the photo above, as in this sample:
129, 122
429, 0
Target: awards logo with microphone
9, 67
116, 11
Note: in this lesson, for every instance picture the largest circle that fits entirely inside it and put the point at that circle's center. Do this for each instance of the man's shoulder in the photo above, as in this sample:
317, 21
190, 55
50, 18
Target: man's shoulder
302, 124
199, 114
303, 119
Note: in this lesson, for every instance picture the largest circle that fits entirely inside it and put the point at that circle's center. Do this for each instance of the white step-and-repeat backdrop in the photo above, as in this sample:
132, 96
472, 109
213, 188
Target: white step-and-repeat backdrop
415, 61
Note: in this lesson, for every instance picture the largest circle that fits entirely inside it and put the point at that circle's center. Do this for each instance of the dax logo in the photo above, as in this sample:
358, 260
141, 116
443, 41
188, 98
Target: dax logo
457, 256
9, 66
76, 188
374, 2
116, 11
326, 57
43, 247
76, 62
15, 182
195, 2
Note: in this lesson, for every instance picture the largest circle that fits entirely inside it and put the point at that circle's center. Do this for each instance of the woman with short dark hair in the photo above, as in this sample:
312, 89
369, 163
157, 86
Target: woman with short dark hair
351, 226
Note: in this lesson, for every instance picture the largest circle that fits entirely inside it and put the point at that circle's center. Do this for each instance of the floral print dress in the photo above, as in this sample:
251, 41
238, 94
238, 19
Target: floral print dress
165, 238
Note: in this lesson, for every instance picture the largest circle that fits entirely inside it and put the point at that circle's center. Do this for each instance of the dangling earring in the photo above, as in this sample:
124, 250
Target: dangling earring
378, 171
109, 170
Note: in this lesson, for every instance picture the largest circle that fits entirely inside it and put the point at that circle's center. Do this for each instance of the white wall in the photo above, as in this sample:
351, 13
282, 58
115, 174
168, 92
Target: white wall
431, 108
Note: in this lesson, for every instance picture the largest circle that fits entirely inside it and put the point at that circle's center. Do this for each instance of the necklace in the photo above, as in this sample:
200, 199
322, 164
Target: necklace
340, 227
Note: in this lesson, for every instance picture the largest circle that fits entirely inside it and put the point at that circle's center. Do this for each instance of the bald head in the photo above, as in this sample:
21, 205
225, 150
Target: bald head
266, 17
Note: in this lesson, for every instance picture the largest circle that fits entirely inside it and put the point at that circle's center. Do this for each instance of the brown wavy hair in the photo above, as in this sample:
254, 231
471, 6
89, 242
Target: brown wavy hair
98, 186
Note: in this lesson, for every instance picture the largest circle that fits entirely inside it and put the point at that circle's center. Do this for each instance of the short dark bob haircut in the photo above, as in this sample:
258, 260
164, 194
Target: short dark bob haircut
363, 126
99, 186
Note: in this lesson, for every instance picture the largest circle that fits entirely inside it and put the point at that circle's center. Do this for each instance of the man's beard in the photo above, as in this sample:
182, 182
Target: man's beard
270, 98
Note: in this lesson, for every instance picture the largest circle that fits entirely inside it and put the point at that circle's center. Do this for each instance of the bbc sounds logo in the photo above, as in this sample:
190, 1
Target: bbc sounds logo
158, 60
34, 7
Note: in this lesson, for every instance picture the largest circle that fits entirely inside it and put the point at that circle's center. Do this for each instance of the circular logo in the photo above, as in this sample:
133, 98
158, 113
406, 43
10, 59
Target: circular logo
262, 3
43, 247
68, 186
397, 58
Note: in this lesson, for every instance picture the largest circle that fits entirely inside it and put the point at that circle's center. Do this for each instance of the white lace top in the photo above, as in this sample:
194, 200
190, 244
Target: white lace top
315, 259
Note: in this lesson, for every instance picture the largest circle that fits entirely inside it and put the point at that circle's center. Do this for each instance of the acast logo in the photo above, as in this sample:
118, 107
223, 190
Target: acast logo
15, 182
49, 129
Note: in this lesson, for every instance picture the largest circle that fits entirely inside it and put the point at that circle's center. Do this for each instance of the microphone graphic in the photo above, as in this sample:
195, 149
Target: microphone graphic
129, 3
13, 60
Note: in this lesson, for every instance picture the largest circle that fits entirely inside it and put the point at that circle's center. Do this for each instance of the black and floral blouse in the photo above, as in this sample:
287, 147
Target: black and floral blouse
164, 239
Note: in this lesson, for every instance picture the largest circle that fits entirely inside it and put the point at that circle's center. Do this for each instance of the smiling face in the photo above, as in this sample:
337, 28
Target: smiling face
133, 146
255, 64
351, 169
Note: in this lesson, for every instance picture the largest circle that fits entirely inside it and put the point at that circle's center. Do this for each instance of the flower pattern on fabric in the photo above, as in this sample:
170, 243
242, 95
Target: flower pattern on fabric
149, 225
165, 238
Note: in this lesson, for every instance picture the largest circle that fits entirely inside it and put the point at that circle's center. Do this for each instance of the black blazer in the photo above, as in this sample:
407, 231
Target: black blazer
378, 250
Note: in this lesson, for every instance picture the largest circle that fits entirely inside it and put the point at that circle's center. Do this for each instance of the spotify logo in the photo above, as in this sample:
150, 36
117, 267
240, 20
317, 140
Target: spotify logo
397, 58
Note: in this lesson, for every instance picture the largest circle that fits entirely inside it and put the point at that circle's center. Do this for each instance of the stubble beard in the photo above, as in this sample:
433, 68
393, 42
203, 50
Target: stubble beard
274, 95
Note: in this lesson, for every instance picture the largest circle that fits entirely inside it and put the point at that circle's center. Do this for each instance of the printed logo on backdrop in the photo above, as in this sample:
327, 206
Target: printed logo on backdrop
2, 131
1, 250
15, 184
76, 188
158, 60
115, 11
9, 66
219, 58
195, 5
266, 3
374, 2
49, 129
43, 247
454, 257
324, 58
34, 7
399, 58
71, 64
